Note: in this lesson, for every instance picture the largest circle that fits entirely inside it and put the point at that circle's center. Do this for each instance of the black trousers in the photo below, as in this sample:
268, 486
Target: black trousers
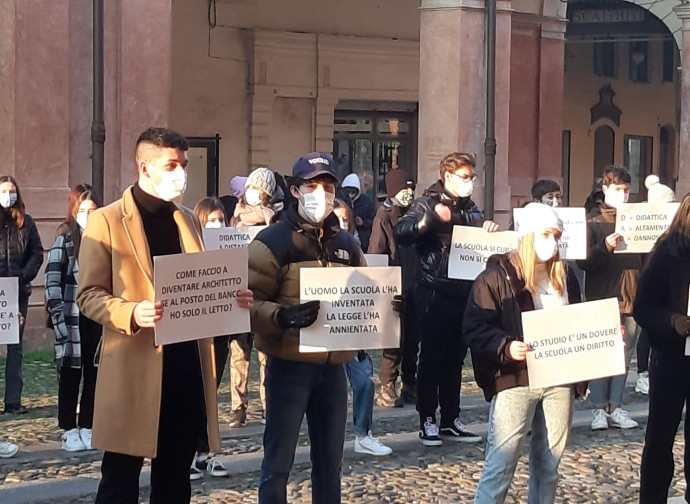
179, 426
71, 378
403, 360
669, 391
442, 353
643, 349
221, 350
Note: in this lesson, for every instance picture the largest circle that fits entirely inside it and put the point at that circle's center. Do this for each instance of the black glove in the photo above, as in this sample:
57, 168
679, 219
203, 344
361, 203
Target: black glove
298, 316
398, 303
681, 324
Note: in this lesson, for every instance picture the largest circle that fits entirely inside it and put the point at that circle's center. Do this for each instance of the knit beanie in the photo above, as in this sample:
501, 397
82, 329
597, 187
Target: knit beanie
537, 217
658, 192
396, 181
237, 185
262, 179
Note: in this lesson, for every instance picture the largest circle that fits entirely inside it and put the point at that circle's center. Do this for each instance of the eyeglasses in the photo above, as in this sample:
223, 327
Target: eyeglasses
471, 178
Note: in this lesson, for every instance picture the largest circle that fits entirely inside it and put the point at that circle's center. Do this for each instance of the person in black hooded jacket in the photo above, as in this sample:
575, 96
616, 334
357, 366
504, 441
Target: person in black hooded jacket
21, 256
400, 190
661, 308
440, 301
530, 278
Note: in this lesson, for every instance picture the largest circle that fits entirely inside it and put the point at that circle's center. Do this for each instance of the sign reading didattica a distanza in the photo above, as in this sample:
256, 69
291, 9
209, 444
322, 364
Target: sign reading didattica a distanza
641, 224
355, 311
199, 294
230, 237
471, 247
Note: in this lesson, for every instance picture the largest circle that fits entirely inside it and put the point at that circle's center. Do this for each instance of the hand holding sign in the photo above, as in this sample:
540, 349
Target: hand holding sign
146, 314
641, 224
517, 350
612, 241
490, 226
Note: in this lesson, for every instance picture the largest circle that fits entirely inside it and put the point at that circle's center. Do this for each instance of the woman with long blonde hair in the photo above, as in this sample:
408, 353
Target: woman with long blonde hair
530, 278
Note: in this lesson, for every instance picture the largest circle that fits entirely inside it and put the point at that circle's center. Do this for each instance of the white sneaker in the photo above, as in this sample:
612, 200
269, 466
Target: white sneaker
600, 420
371, 445
85, 436
71, 441
8, 450
620, 419
642, 384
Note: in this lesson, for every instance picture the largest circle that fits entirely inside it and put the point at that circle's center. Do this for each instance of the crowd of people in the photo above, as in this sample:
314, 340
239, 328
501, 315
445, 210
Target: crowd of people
121, 393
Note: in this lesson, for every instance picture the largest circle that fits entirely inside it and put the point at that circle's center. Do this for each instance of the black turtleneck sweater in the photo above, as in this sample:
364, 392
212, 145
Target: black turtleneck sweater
181, 367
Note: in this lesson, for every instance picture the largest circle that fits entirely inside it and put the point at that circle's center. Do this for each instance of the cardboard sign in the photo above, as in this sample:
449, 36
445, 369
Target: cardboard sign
471, 247
574, 343
687, 340
641, 224
9, 311
230, 237
376, 259
199, 293
356, 311
573, 242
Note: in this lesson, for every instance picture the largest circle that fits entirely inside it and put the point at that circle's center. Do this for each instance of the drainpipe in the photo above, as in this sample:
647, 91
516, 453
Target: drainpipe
98, 124
490, 139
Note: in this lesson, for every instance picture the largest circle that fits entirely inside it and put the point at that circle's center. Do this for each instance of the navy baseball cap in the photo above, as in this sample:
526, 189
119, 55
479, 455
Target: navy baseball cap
314, 164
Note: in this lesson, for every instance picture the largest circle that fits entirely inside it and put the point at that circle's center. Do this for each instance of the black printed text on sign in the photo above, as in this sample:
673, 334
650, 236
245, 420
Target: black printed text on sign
355, 311
573, 343
641, 224
9, 311
199, 294
471, 247
230, 237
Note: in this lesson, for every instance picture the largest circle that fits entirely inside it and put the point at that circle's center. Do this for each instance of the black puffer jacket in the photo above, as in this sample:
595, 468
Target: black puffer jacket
21, 251
493, 319
383, 242
432, 238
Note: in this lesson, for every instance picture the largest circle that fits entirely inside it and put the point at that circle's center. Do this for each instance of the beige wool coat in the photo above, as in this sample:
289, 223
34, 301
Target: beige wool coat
115, 274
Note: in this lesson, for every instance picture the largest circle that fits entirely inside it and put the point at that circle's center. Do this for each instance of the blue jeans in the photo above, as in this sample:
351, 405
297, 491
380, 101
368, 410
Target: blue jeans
548, 412
606, 391
361, 375
293, 389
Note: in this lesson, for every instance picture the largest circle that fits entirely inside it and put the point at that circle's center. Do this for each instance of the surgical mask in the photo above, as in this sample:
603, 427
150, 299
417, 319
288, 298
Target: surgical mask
252, 196
213, 224
615, 198
553, 201
172, 184
462, 187
8, 199
343, 224
404, 197
82, 218
316, 205
545, 247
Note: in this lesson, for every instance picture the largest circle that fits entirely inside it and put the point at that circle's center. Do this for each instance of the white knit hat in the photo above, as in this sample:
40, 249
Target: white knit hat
263, 179
658, 192
537, 217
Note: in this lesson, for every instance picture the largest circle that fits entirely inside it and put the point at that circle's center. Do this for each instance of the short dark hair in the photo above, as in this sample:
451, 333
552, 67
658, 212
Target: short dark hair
162, 137
544, 186
616, 174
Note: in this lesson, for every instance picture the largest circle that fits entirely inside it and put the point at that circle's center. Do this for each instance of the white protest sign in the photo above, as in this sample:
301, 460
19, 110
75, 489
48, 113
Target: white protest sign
376, 259
9, 311
574, 343
355, 311
471, 247
687, 340
199, 294
641, 224
573, 242
230, 237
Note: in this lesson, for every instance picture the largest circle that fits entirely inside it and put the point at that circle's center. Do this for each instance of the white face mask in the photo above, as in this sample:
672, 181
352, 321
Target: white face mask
82, 218
172, 185
615, 198
404, 197
213, 224
8, 199
252, 196
316, 205
545, 248
460, 187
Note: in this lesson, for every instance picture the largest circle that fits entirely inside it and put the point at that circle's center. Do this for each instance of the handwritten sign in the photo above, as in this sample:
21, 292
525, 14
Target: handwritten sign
471, 247
376, 259
574, 343
573, 242
199, 294
641, 224
356, 311
230, 237
9, 310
